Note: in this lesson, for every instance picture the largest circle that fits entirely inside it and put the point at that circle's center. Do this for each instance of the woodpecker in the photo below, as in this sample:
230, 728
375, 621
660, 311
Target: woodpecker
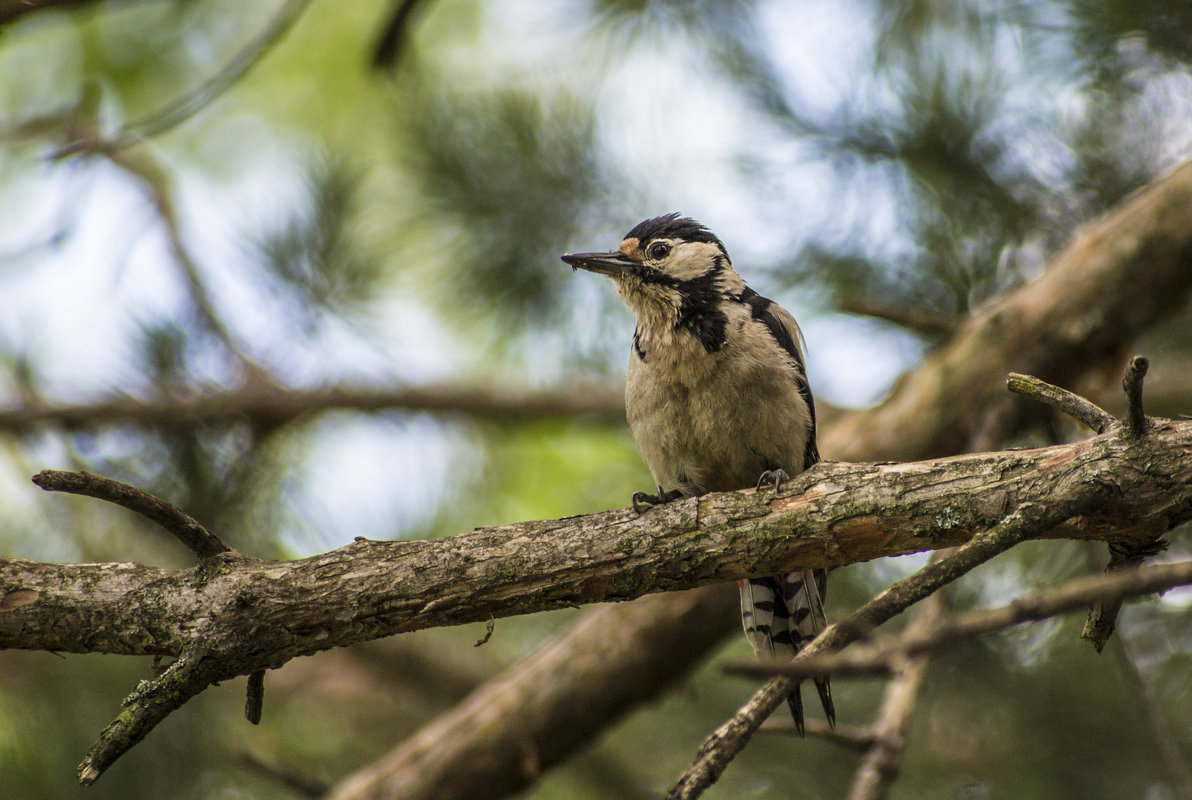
718, 400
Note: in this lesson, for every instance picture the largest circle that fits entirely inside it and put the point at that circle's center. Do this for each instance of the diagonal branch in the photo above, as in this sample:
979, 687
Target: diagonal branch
1143, 242
1028, 520
884, 657
1070, 403
191, 102
152, 702
1120, 275
882, 759
245, 615
185, 528
831, 515
549, 702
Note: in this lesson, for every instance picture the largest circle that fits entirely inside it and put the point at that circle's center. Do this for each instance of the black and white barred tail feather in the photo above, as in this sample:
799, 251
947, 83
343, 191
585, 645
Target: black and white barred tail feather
781, 614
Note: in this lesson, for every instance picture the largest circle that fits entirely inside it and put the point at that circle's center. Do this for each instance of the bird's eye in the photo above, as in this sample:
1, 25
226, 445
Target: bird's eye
658, 251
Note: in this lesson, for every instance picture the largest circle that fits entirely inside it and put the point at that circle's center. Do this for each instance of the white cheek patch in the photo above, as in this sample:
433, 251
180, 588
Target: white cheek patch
690, 260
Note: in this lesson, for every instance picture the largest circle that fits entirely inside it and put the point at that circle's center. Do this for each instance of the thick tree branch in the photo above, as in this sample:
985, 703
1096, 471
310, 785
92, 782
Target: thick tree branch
831, 515
1121, 275
904, 426
231, 615
549, 701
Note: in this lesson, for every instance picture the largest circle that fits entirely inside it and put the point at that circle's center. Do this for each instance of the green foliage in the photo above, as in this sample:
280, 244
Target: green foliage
500, 179
916, 156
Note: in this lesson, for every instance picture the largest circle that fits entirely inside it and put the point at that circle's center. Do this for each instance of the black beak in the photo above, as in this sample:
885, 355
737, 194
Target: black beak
612, 264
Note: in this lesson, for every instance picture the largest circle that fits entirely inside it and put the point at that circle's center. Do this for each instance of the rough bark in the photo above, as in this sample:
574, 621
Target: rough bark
834, 514
967, 373
232, 615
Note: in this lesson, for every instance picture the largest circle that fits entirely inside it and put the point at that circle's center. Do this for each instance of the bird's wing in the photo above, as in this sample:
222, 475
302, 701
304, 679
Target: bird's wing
785, 330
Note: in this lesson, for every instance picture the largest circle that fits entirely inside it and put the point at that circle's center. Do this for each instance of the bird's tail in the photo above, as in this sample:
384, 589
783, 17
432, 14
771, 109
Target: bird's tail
782, 614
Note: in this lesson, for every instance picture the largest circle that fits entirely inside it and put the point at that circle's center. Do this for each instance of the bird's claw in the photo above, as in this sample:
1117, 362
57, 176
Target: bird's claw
644, 501
774, 477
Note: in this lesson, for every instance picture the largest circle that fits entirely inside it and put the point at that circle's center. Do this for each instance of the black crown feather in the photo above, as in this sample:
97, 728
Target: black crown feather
673, 226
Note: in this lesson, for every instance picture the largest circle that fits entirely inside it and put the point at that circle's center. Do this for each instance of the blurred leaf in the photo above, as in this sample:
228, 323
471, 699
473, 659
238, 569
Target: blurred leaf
501, 178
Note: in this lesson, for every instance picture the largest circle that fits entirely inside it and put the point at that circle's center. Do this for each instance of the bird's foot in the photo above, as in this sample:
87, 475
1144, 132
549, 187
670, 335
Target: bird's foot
773, 477
643, 501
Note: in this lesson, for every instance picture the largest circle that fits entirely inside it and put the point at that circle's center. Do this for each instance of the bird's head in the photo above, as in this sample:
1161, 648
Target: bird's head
670, 262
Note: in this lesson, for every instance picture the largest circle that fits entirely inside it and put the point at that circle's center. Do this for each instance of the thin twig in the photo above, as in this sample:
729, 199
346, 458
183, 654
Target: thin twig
389, 45
729, 739
140, 165
152, 702
881, 658
1132, 384
489, 627
1102, 618
300, 783
273, 404
850, 737
1063, 400
184, 527
919, 320
883, 759
186, 105
254, 703
1174, 761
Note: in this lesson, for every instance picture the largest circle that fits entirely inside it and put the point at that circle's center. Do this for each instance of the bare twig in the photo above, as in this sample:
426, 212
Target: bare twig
931, 323
273, 404
185, 106
1102, 618
1174, 761
1132, 384
152, 702
847, 736
389, 45
255, 701
883, 758
185, 528
884, 657
1069, 403
152, 176
489, 627
729, 739
300, 783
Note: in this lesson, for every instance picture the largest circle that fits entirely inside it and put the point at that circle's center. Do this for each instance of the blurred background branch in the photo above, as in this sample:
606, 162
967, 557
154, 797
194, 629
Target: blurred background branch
382, 246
